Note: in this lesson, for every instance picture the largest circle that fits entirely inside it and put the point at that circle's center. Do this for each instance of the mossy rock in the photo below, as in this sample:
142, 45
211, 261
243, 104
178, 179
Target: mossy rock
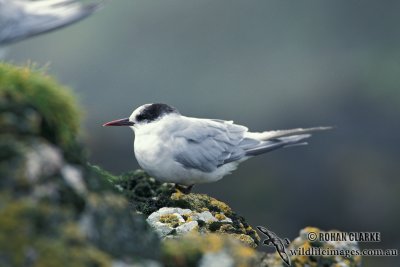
33, 103
109, 224
147, 195
54, 209
41, 235
207, 250
171, 220
33, 168
40, 212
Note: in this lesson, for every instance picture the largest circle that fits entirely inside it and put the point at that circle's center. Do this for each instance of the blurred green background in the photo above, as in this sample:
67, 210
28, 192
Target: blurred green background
267, 65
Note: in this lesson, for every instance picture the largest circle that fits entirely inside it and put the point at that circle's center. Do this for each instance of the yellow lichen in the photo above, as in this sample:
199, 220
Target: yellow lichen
212, 243
177, 195
72, 232
220, 216
221, 206
245, 252
245, 239
189, 250
310, 229
170, 219
226, 228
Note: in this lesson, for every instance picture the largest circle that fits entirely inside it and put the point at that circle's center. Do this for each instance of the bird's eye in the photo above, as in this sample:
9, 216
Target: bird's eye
140, 118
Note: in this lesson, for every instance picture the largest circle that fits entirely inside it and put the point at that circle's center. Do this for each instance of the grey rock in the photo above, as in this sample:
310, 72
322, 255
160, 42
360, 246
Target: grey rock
186, 227
42, 160
205, 216
168, 210
107, 223
219, 259
162, 229
142, 263
73, 176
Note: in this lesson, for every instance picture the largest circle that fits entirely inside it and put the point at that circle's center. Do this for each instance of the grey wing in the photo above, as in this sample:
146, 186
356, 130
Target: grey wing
206, 145
22, 19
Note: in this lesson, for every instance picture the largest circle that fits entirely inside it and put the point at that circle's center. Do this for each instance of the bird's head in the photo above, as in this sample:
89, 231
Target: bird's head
144, 114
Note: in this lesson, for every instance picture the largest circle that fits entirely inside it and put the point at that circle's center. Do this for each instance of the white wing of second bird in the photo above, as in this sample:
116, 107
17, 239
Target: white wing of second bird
21, 19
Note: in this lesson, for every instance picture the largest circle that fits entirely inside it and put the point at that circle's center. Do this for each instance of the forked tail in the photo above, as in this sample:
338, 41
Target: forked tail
272, 140
273, 144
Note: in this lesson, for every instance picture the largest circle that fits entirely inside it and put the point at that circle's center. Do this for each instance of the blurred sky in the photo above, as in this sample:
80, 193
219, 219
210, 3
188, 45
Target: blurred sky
265, 64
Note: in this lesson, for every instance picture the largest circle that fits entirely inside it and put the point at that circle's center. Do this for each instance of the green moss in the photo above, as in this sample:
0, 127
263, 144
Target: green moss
37, 235
100, 180
11, 160
110, 223
32, 103
55, 210
147, 195
200, 202
214, 226
180, 253
59, 253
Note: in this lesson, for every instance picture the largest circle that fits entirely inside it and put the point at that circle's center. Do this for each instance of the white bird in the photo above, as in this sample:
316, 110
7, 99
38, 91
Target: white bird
20, 19
187, 151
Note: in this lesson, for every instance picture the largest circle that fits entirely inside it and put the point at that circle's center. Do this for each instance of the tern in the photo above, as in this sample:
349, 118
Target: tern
186, 151
21, 19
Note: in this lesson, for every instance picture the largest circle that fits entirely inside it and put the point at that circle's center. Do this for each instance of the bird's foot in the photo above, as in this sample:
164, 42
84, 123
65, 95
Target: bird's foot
184, 189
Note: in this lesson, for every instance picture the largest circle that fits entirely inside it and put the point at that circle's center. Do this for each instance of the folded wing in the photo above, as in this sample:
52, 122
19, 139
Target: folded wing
206, 145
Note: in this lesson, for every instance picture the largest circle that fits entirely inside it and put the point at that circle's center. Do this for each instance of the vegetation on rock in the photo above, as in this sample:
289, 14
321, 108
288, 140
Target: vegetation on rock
55, 210
208, 250
34, 104
148, 195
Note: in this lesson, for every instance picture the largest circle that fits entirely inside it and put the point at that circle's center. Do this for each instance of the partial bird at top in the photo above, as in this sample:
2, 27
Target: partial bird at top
21, 19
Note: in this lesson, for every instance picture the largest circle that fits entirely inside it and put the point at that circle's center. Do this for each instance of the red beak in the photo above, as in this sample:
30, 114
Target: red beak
120, 122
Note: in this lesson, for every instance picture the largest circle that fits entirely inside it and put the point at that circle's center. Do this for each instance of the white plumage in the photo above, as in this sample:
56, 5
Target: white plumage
185, 150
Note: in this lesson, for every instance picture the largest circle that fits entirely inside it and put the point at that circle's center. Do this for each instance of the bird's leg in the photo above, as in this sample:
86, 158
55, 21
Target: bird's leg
189, 188
184, 189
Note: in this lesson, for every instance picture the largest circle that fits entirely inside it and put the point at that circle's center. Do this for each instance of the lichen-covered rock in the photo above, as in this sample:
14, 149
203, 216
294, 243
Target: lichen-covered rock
154, 199
169, 222
59, 218
38, 234
208, 250
34, 168
108, 223
54, 209
303, 244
